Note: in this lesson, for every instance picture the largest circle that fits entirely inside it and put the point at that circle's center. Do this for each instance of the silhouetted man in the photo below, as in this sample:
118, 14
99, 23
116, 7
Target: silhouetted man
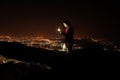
68, 34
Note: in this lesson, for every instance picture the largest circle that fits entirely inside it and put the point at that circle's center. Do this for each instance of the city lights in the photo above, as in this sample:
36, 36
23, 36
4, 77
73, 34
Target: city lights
58, 44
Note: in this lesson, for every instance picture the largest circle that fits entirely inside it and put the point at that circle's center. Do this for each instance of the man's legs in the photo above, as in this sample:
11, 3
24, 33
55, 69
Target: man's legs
69, 47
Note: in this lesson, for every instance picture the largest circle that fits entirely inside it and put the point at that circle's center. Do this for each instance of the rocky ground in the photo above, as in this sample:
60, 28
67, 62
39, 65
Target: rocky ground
19, 62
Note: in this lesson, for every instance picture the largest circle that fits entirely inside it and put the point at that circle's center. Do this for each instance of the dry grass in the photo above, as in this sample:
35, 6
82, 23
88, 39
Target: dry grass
6, 60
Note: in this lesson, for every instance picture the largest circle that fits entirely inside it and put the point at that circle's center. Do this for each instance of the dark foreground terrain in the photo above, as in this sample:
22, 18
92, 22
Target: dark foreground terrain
19, 62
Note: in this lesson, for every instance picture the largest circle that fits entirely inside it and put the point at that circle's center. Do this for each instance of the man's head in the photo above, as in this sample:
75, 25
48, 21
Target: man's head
66, 23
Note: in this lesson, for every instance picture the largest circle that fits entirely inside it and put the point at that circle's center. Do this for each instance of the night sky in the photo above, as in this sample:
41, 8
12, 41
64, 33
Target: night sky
30, 18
